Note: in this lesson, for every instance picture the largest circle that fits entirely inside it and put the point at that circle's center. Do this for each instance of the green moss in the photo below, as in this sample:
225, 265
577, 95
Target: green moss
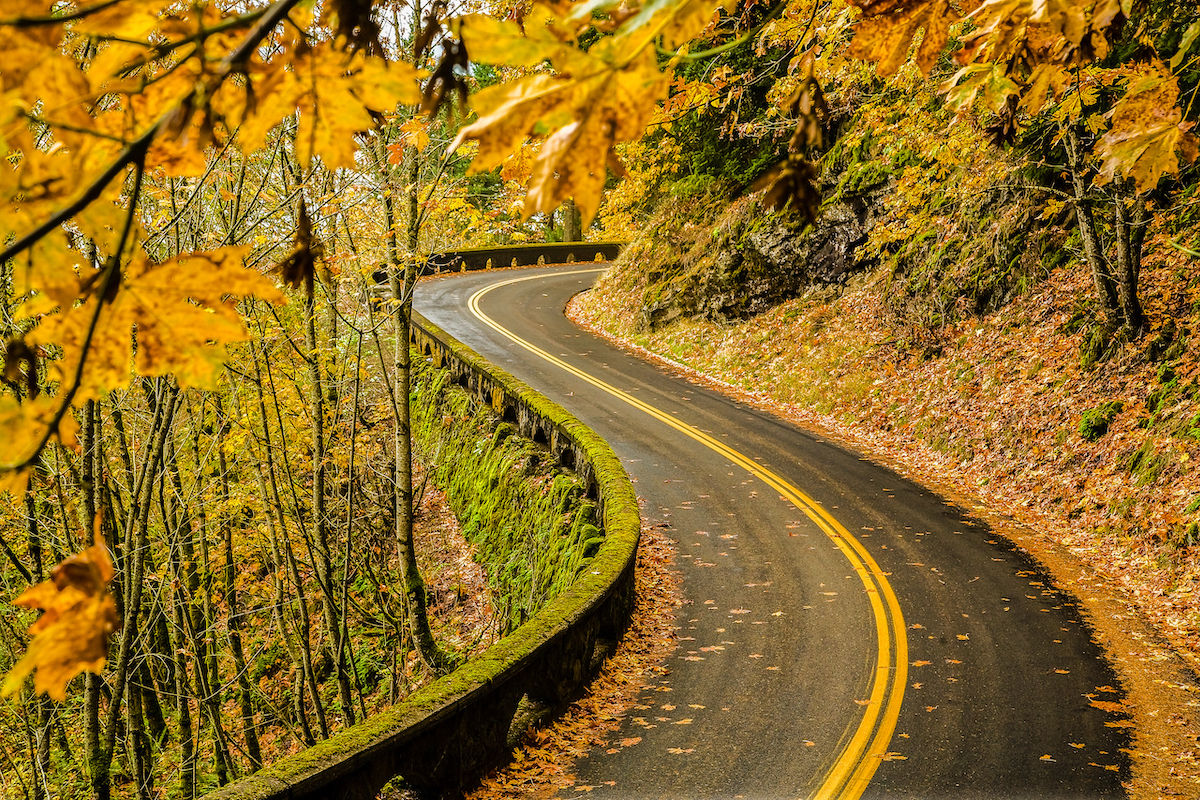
1146, 463
514, 501
1099, 345
1094, 422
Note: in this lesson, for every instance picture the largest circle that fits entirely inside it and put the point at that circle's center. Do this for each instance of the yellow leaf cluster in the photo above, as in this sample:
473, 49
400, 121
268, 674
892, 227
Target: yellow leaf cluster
71, 636
174, 317
585, 104
332, 94
888, 27
1148, 136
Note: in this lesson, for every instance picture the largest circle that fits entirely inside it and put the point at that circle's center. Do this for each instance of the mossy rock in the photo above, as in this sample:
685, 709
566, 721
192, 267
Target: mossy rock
591, 546
1094, 422
503, 431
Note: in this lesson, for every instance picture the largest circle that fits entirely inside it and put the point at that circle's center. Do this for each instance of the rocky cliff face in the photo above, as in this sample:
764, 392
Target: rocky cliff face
751, 260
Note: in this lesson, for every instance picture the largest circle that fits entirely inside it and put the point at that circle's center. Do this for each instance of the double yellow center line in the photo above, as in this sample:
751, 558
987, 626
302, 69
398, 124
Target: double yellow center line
855, 764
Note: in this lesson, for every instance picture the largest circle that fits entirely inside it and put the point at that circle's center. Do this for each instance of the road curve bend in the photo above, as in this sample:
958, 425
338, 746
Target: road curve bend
846, 633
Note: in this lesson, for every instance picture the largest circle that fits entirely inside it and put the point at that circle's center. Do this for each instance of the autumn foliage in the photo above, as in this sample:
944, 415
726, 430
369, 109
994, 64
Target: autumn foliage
71, 636
196, 200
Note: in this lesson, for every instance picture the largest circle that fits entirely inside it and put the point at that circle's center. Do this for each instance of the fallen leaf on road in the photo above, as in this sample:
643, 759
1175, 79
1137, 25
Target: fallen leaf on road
1107, 705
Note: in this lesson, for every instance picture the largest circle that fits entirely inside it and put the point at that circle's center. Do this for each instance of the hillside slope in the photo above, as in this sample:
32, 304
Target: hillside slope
1085, 461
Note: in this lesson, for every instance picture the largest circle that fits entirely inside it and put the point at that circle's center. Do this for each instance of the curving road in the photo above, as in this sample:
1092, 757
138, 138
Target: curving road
847, 633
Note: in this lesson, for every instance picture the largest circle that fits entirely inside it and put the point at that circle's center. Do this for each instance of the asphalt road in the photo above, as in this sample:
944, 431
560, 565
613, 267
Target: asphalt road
846, 632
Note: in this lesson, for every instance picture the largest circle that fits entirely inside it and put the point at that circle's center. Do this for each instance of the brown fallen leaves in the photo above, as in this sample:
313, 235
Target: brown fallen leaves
542, 764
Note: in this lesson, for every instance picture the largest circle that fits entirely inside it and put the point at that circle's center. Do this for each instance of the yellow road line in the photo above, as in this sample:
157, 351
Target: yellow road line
854, 766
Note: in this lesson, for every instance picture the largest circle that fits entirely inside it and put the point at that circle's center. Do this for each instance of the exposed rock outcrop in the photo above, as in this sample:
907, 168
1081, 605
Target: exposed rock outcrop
753, 260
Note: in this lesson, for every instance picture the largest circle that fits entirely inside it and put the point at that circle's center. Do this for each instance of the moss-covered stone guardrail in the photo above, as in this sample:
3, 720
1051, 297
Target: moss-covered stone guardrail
445, 736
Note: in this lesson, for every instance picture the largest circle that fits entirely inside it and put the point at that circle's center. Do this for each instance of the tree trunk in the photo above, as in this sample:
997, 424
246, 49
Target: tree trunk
233, 619
1092, 250
324, 559
410, 574
402, 283
1128, 264
572, 222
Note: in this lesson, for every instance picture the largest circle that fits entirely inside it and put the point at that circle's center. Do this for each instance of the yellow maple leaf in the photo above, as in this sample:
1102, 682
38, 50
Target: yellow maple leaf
23, 425
494, 41
888, 27
181, 312
1149, 136
333, 93
988, 81
675, 21
414, 133
184, 311
1002, 26
125, 21
596, 100
71, 636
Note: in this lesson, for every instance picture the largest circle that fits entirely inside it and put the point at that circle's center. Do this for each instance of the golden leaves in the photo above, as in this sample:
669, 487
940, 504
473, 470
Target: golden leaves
989, 82
676, 21
334, 97
595, 100
170, 317
1148, 137
415, 134
493, 41
184, 312
72, 634
889, 26
25, 425
1024, 54
1000, 26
